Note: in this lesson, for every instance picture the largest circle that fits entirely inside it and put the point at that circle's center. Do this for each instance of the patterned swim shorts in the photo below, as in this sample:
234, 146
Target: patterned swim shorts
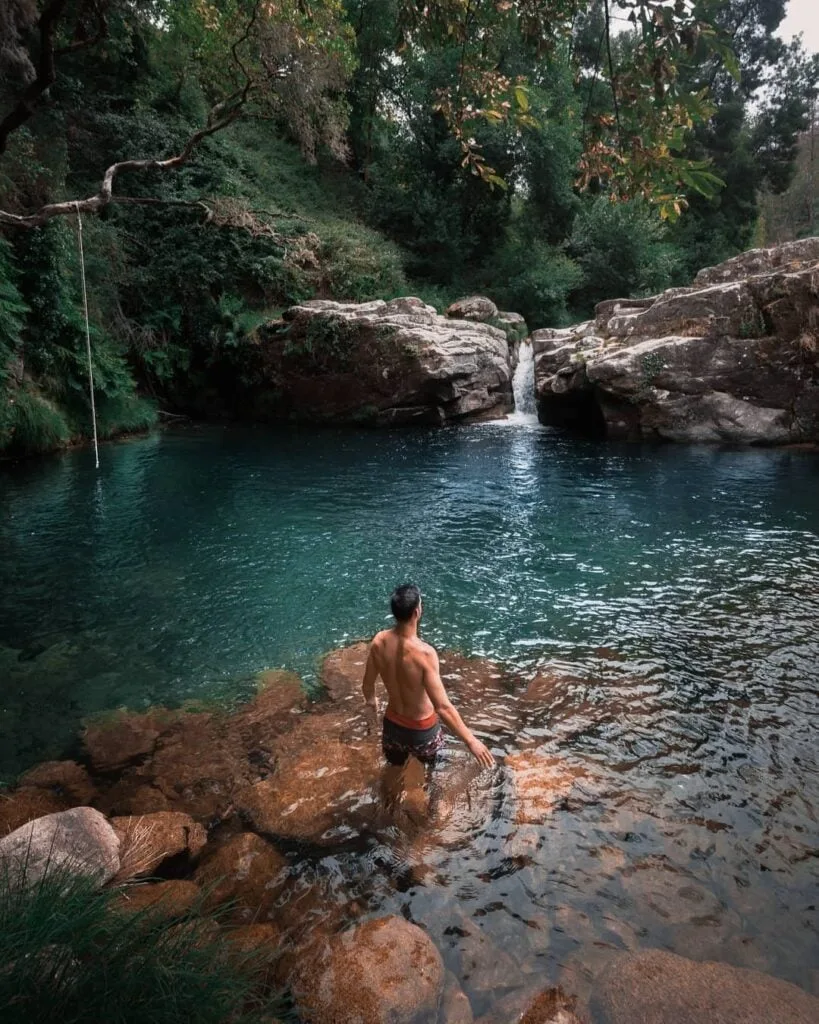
398, 742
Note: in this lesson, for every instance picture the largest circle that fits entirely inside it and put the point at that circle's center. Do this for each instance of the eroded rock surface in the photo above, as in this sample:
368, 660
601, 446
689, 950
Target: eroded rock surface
385, 363
734, 358
385, 971
655, 987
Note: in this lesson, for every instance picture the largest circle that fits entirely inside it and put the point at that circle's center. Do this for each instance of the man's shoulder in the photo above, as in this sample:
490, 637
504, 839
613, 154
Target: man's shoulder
427, 650
379, 638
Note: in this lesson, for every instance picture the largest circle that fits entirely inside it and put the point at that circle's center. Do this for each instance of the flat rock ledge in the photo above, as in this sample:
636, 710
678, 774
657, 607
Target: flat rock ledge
383, 364
732, 359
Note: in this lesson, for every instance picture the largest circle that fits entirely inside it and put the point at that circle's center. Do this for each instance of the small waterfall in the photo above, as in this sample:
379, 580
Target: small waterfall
523, 386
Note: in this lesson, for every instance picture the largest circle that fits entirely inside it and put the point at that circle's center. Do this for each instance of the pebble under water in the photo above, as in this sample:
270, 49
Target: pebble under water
674, 591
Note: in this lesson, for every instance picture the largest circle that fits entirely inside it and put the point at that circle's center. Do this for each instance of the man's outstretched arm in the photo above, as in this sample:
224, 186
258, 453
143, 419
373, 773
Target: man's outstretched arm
449, 713
370, 676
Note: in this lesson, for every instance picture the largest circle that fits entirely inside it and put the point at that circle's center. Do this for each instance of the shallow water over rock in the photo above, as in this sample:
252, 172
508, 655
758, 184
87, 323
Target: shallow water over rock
647, 616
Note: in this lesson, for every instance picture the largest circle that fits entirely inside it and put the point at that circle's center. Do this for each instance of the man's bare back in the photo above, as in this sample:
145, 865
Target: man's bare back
410, 671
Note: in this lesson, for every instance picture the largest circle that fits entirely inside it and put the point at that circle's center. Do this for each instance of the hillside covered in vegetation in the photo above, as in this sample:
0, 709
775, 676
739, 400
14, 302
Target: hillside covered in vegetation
252, 156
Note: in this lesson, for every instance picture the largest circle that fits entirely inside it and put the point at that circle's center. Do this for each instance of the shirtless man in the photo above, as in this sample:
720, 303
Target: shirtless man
410, 671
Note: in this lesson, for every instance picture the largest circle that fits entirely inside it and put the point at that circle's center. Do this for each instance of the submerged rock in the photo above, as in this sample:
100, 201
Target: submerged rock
320, 794
541, 783
734, 358
22, 805
656, 987
384, 363
385, 971
78, 841
246, 871
147, 840
66, 779
115, 740
529, 1006
342, 671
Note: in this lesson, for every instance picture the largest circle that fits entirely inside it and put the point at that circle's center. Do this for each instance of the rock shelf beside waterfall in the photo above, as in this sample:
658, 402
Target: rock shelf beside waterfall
734, 358
381, 363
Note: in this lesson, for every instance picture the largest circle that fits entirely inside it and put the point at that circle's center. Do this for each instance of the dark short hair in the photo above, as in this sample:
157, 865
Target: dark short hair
404, 601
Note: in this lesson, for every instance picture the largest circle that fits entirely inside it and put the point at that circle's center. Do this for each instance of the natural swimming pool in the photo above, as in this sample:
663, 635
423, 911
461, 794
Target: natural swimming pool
678, 589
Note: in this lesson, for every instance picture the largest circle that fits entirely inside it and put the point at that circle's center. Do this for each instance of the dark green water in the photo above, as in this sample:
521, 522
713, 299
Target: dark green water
195, 559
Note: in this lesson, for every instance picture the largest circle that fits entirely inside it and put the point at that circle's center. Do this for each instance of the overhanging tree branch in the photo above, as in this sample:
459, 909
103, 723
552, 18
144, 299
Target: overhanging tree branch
106, 196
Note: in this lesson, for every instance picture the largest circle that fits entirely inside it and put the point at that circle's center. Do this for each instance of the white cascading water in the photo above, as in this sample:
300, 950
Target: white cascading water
523, 386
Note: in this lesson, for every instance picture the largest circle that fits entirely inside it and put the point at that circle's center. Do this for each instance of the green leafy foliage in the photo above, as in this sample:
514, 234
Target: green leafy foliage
621, 250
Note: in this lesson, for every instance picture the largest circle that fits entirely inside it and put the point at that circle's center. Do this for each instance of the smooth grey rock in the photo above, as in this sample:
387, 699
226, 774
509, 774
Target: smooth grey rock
79, 841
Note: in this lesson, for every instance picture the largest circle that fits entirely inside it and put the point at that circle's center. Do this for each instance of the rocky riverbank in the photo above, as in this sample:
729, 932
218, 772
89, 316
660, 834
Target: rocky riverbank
252, 813
734, 358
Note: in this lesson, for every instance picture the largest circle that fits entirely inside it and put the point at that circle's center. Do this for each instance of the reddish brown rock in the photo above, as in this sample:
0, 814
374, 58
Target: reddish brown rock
117, 739
385, 971
541, 784
199, 764
65, 778
262, 937
23, 805
175, 898
550, 1006
656, 987
342, 671
320, 794
129, 795
247, 871
147, 840
271, 712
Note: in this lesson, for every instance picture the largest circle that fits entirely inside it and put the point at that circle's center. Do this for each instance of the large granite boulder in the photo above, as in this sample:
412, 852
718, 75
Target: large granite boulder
734, 358
382, 363
385, 971
79, 841
655, 987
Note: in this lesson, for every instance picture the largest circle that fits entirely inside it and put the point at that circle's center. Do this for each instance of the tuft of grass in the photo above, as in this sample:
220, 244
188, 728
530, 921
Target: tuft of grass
68, 954
29, 423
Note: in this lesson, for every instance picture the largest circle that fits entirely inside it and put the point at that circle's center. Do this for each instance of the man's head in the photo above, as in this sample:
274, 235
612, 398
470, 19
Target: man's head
405, 602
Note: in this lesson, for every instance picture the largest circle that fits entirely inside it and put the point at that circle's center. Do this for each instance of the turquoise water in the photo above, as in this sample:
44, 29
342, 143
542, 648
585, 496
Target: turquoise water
677, 587
194, 559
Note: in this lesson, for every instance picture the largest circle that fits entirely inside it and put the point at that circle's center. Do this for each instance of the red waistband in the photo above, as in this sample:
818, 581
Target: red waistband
411, 723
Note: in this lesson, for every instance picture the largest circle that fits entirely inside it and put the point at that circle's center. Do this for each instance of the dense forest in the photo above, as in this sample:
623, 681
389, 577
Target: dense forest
231, 159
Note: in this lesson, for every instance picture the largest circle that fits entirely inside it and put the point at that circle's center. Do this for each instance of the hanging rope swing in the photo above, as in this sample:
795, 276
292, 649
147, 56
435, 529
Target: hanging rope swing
88, 338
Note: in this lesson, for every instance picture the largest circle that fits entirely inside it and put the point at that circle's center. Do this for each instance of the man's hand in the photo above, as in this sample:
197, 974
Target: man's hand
481, 753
